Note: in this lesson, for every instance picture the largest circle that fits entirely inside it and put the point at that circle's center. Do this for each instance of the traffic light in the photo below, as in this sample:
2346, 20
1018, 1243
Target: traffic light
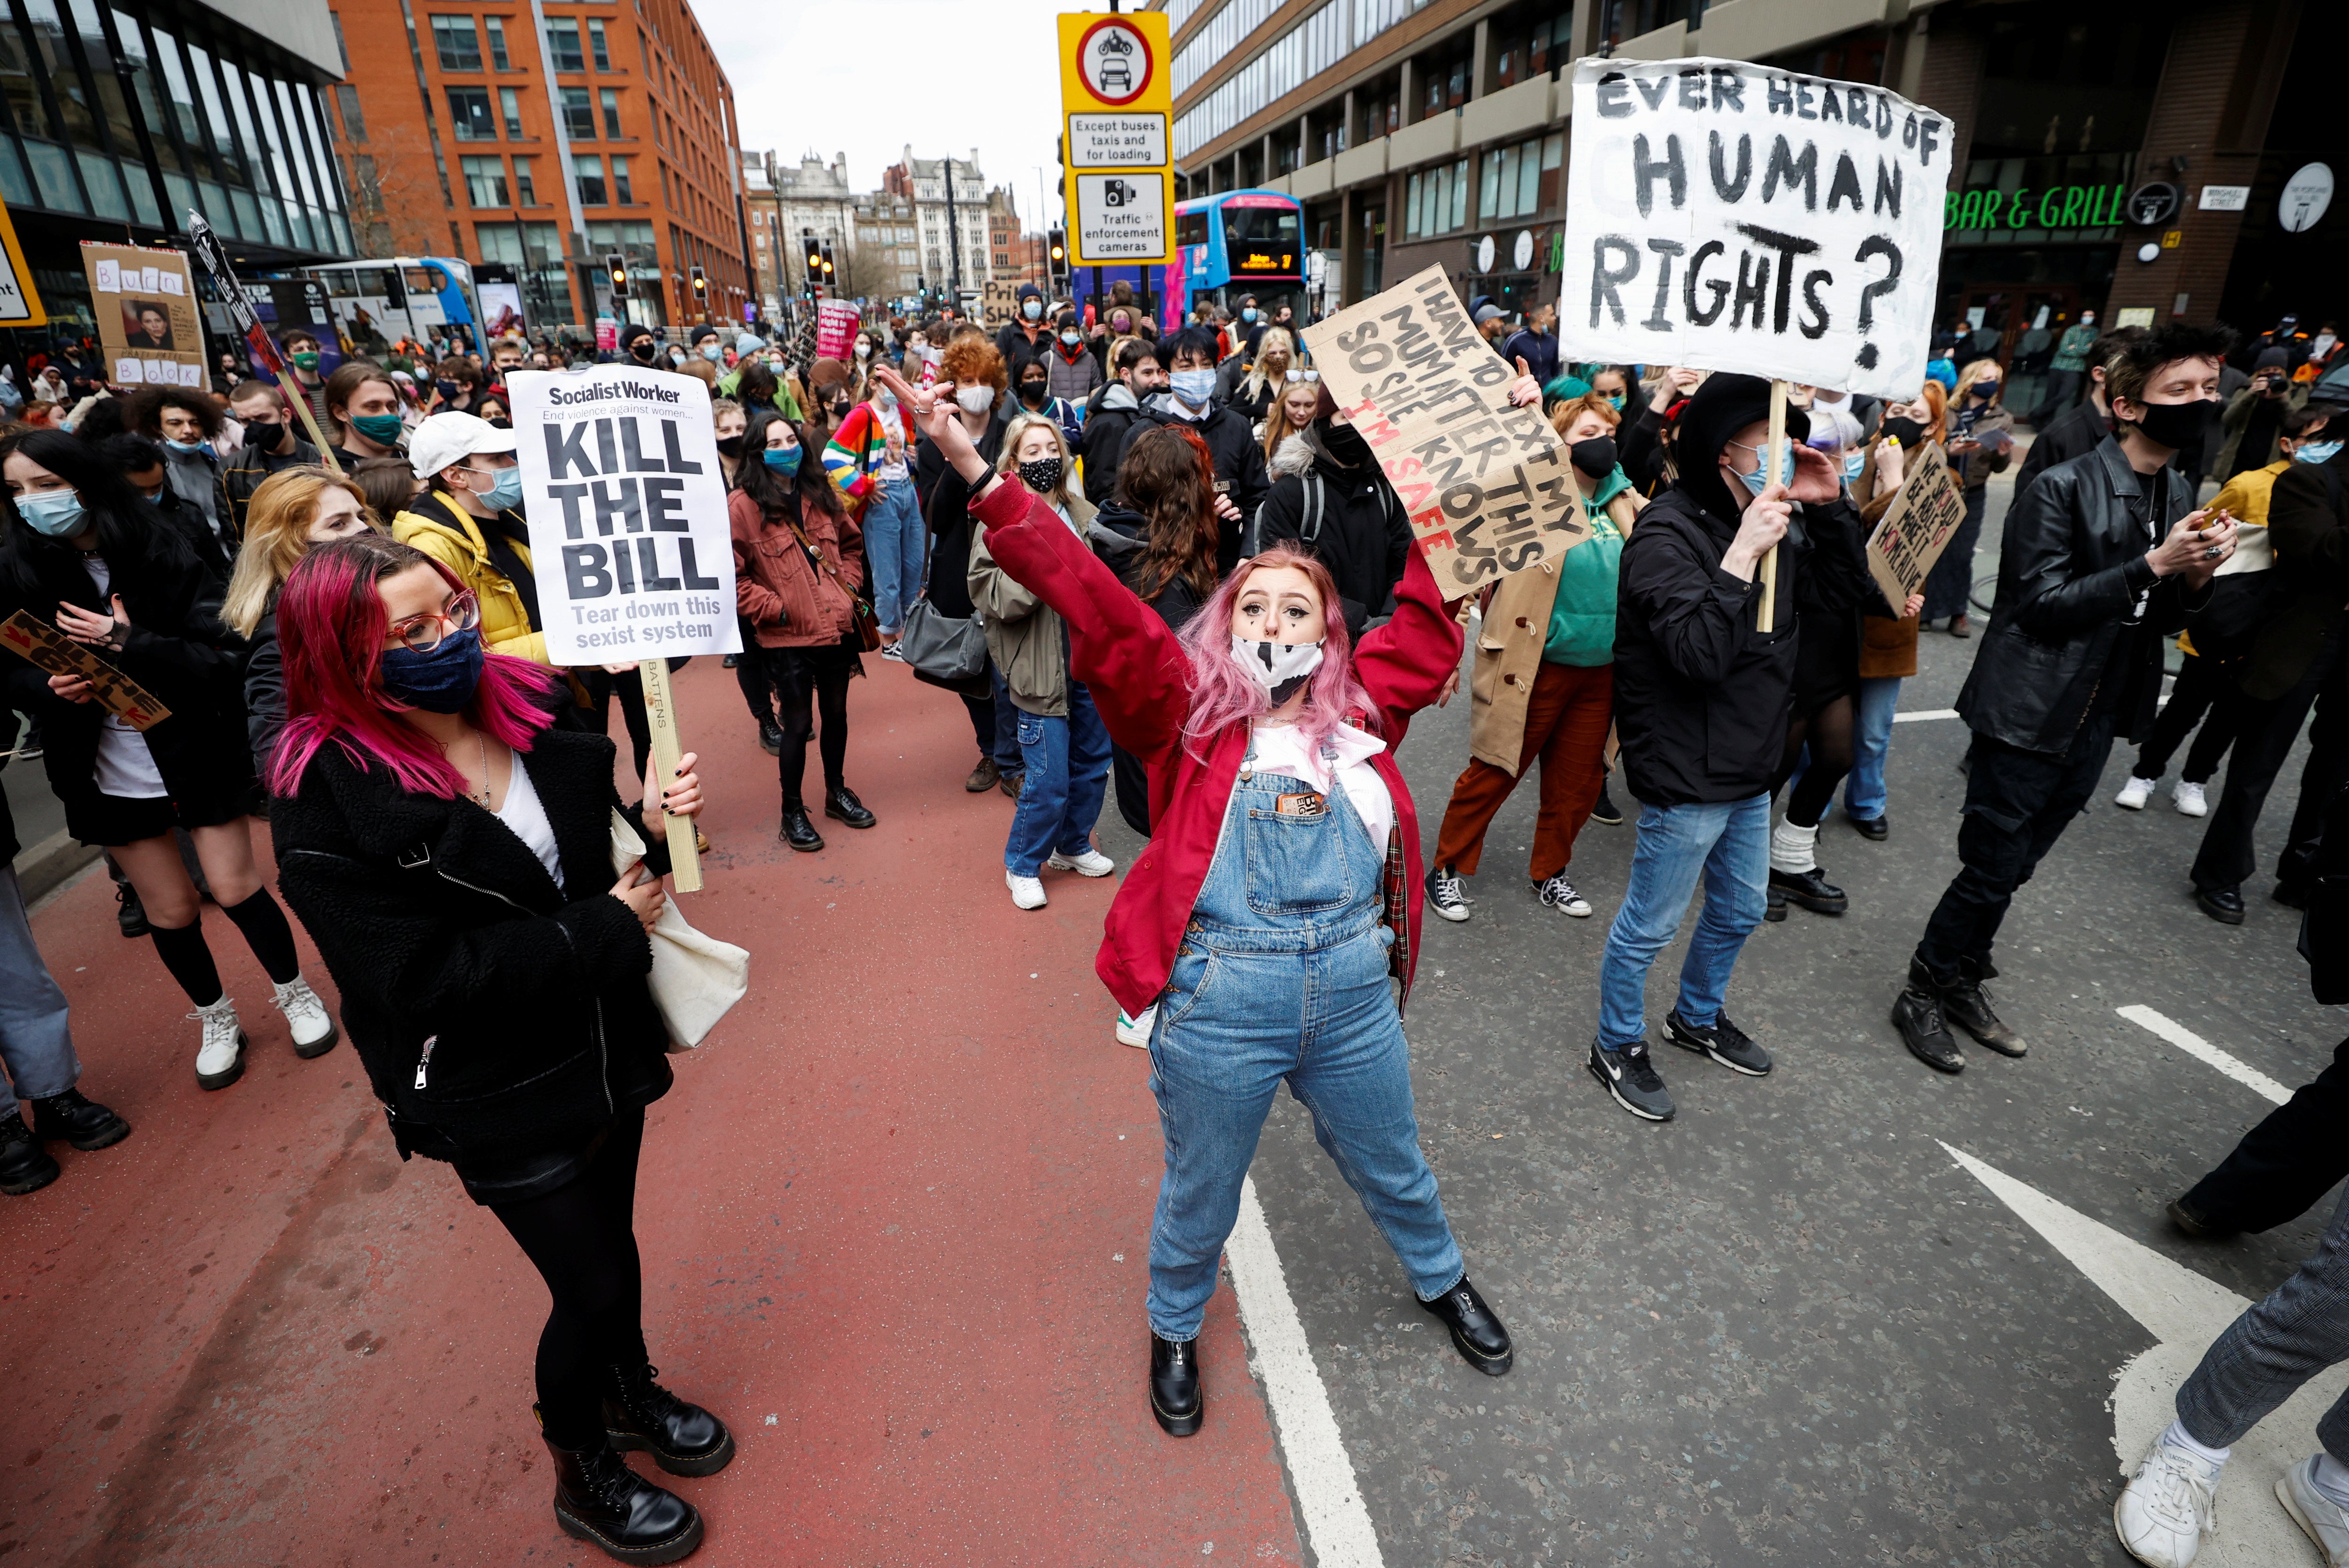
616, 265
814, 260
829, 275
1056, 252
700, 288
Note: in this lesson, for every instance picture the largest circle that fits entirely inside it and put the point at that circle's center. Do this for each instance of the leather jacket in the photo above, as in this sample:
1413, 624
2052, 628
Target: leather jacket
2069, 574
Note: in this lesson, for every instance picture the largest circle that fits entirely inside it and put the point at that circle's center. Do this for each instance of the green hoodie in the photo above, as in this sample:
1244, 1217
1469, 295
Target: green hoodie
1582, 618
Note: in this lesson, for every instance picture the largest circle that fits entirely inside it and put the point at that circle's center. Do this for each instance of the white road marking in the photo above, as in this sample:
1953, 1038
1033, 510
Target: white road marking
1924, 713
2194, 1045
2183, 1312
1336, 1522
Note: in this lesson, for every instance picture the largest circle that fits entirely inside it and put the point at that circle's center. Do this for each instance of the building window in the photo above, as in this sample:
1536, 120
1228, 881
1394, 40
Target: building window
1436, 201
468, 112
1521, 181
497, 30
347, 97
590, 168
485, 180
621, 194
563, 45
578, 114
610, 98
461, 50
510, 105
595, 43
525, 183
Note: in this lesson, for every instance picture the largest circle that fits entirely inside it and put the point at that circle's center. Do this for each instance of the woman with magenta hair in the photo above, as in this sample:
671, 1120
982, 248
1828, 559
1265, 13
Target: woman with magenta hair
1272, 907
452, 854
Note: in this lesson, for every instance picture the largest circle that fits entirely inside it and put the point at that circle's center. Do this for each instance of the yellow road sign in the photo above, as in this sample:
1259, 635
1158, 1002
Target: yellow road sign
20, 303
1116, 103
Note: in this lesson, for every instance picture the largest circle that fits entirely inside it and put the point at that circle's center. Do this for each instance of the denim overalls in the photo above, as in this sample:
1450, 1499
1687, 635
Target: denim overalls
1282, 974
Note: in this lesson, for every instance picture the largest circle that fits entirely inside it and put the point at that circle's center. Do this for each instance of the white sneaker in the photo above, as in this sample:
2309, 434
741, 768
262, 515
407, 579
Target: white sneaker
2135, 793
1135, 1031
1091, 864
220, 1060
1028, 892
2327, 1521
2168, 1507
306, 1015
2191, 801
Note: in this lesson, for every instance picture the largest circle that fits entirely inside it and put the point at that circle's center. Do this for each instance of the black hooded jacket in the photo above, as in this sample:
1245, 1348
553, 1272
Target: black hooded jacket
1362, 535
1117, 535
1238, 462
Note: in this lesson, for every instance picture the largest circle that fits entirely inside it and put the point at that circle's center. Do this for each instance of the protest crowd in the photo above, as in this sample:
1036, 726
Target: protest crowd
1178, 564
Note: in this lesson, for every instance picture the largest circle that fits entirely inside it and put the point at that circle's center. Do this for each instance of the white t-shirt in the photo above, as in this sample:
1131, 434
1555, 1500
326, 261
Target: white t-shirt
1280, 749
526, 815
126, 768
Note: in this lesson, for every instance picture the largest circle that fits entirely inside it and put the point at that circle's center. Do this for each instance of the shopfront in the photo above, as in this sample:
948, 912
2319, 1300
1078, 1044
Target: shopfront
2030, 242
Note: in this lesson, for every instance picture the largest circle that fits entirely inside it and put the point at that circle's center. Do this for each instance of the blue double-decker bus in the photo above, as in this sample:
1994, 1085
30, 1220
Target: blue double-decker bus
1238, 242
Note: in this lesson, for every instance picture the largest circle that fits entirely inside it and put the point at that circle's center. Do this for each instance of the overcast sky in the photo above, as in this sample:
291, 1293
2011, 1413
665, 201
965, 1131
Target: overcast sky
868, 77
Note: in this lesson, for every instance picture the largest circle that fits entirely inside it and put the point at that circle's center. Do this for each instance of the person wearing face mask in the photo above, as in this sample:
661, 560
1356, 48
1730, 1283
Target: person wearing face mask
85, 554
468, 518
1544, 683
868, 458
498, 999
1064, 750
971, 382
1263, 924
1701, 702
1982, 443
1618, 386
186, 420
367, 414
2103, 560
1267, 375
1533, 349
294, 512
1135, 375
270, 447
300, 349
1073, 374
1031, 391
1329, 498
1241, 480
455, 386
1117, 323
1028, 334
1292, 414
2253, 421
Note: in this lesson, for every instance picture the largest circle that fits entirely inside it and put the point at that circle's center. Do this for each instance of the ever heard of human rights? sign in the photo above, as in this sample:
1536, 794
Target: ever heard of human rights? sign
626, 508
1726, 216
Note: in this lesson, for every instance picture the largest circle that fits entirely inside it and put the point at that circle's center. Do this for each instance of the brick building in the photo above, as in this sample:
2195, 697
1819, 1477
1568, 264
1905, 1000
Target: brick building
467, 130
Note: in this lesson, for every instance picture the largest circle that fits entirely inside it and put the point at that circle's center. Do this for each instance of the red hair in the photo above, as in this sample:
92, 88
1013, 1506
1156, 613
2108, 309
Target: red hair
330, 630
1224, 693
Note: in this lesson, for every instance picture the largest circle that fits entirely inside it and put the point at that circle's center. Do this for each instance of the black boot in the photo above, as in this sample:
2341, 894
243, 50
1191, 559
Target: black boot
683, 1437
1176, 1398
799, 832
1810, 888
1967, 1004
598, 1498
131, 916
1917, 1014
84, 1123
841, 804
1476, 1333
1775, 908
770, 738
24, 1165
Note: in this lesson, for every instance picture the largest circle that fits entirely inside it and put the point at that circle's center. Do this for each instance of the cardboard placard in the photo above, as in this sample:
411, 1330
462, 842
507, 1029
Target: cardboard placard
48, 648
1728, 216
1918, 527
999, 304
1485, 484
148, 323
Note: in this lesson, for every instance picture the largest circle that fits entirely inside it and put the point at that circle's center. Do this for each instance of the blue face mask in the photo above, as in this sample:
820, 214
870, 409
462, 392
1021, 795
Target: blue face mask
1248, 314
505, 488
1033, 309
157, 499
1755, 482
55, 513
2309, 452
1194, 387
1071, 338
1853, 462
441, 681
188, 447
784, 461
709, 352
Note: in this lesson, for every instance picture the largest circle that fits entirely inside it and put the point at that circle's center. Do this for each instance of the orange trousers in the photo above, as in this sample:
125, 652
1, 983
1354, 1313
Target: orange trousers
1567, 719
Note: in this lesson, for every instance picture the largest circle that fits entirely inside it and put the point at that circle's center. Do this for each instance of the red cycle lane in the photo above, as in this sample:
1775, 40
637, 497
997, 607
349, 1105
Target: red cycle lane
894, 1218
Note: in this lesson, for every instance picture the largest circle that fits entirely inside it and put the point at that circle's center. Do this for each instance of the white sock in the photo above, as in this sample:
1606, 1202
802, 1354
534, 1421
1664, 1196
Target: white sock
2177, 1437
2332, 1478
1793, 849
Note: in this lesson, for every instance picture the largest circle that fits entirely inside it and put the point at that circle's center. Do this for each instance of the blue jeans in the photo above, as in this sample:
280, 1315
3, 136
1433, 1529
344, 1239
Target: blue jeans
1282, 976
1863, 792
1066, 761
1007, 723
893, 552
1727, 845
2298, 1330
35, 1043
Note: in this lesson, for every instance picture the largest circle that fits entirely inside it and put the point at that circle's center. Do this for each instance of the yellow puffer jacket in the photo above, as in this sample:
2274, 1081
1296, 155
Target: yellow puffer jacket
446, 532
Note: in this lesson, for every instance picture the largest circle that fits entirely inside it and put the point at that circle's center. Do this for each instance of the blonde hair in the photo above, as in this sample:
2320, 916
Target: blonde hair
1973, 372
1008, 463
276, 535
1276, 340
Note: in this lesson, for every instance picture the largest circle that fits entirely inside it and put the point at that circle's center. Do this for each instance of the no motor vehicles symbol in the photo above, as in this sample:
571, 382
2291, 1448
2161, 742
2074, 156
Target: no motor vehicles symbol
1113, 59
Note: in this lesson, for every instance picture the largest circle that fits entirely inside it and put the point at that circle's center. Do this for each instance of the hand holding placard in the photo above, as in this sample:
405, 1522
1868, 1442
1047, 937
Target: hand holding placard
46, 648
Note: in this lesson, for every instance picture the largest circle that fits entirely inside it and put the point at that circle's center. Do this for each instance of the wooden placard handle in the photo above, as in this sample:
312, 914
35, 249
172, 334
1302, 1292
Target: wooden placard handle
660, 711
1766, 618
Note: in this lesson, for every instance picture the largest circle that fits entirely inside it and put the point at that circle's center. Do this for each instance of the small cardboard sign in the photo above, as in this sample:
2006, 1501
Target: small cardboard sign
1919, 526
51, 650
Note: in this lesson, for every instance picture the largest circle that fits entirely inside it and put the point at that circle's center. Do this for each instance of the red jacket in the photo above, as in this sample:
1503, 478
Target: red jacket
787, 604
1141, 681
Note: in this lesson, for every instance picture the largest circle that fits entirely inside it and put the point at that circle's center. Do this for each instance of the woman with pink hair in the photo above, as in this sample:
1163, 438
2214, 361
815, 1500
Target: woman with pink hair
1266, 917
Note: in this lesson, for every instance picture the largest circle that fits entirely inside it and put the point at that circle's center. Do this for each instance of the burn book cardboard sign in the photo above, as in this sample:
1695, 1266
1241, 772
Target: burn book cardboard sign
1485, 484
626, 508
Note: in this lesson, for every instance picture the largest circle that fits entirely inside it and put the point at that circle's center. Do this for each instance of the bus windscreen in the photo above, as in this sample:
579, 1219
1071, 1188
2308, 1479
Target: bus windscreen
1263, 241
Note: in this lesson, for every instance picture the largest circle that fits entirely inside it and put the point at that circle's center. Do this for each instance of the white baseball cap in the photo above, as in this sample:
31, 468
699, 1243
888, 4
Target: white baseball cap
451, 437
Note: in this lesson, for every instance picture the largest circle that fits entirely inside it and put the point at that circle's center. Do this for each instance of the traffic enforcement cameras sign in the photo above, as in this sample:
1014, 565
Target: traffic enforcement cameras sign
1116, 104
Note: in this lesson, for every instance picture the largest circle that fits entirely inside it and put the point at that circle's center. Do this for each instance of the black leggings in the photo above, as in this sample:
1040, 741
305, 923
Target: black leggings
750, 676
602, 687
582, 1237
810, 682
1830, 733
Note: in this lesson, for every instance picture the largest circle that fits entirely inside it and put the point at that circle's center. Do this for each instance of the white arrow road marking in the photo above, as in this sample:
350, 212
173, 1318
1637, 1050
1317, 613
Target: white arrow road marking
2195, 1046
2183, 1312
1920, 715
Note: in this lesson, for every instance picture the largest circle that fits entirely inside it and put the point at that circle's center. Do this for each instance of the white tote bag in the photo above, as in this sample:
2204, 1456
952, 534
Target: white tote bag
696, 978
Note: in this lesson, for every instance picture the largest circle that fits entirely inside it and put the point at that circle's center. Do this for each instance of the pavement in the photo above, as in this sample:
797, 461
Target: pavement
895, 1213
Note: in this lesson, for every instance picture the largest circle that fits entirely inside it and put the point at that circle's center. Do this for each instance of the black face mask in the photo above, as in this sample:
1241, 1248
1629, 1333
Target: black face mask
1910, 433
1344, 443
641, 351
2178, 426
263, 433
1595, 456
730, 446
1031, 391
